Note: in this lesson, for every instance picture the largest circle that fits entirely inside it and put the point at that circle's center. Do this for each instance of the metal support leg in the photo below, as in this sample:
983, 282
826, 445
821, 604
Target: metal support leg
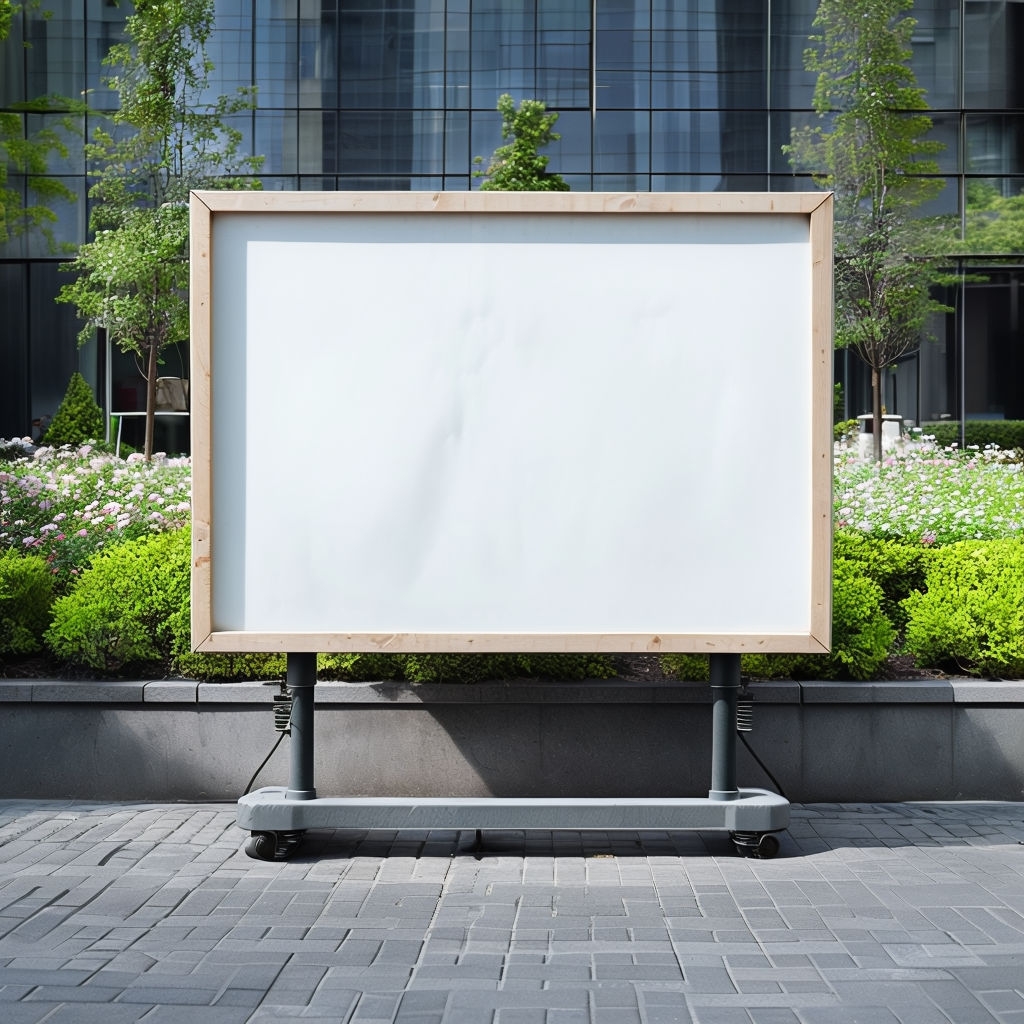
301, 680
725, 688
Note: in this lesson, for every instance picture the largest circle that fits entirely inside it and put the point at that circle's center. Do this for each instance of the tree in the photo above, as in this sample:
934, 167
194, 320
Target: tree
79, 418
132, 279
870, 143
517, 166
28, 153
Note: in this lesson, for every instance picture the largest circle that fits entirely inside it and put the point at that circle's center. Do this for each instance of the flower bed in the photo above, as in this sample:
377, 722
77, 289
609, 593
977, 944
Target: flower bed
66, 504
75, 509
930, 495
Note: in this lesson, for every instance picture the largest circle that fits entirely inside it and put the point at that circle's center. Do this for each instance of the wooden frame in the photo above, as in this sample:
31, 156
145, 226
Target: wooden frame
793, 430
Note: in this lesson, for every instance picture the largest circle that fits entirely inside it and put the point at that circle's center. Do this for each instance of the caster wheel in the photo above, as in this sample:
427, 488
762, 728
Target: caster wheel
744, 843
762, 845
273, 845
288, 843
261, 846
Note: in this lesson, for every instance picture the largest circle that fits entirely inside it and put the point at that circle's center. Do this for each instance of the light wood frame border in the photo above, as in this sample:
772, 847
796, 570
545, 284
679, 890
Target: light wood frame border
207, 205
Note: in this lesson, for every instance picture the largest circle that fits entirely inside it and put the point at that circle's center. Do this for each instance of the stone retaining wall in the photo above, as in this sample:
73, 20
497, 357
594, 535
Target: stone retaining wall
954, 739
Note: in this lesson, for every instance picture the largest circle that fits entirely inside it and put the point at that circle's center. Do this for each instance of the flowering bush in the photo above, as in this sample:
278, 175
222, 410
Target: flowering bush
67, 503
929, 495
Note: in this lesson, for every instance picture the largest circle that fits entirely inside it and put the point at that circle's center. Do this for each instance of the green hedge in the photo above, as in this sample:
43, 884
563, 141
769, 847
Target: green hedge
130, 608
1004, 433
26, 593
970, 615
960, 607
118, 613
897, 568
862, 637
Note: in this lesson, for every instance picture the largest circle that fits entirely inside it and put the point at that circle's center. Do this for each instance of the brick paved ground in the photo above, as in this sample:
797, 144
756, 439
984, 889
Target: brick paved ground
114, 913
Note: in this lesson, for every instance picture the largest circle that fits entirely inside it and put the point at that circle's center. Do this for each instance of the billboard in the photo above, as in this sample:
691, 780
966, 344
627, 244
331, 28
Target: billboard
511, 421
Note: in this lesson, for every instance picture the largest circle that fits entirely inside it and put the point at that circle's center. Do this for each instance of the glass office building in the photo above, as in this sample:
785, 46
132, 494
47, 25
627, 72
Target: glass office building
681, 95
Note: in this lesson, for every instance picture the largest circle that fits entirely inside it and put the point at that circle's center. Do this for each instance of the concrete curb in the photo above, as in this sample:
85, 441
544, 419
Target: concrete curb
943, 739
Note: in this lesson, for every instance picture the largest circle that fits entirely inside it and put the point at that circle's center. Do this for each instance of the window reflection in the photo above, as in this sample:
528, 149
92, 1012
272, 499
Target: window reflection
622, 141
995, 143
691, 95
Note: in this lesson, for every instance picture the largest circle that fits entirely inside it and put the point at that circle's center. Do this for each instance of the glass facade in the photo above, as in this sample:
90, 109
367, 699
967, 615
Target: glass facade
683, 95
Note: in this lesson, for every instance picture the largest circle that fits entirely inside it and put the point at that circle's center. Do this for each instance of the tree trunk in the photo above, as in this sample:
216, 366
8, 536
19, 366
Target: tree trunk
876, 413
151, 371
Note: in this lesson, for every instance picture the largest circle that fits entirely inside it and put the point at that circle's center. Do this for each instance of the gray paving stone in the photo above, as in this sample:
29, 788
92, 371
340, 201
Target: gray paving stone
198, 1015
374, 1007
27, 1013
677, 1013
176, 908
155, 994
92, 1013
772, 1015
570, 1016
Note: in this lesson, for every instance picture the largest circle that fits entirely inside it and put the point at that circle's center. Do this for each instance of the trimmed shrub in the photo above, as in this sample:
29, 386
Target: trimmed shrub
846, 431
463, 668
131, 606
78, 419
366, 667
1004, 433
970, 617
862, 635
861, 638
373, 667
117, 613
896, 567
26, 593
475, 668
691, 667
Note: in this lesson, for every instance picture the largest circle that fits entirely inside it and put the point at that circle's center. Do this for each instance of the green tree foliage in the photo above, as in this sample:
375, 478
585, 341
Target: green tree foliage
27, 154
517, 166
132, 279
79, 418
869, 146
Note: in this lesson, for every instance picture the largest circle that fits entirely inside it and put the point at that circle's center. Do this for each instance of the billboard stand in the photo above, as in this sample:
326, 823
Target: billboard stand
278, 816
725, 688
301, 680
468, 453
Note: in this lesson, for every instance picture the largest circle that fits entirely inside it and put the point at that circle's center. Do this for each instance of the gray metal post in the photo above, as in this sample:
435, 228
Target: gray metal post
725, 688
301, 680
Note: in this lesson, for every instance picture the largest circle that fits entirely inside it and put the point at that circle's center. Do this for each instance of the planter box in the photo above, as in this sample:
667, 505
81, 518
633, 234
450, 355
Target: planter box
175, 740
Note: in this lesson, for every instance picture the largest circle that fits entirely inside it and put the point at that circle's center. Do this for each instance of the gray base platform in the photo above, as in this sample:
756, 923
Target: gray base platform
277, 816
753, 810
